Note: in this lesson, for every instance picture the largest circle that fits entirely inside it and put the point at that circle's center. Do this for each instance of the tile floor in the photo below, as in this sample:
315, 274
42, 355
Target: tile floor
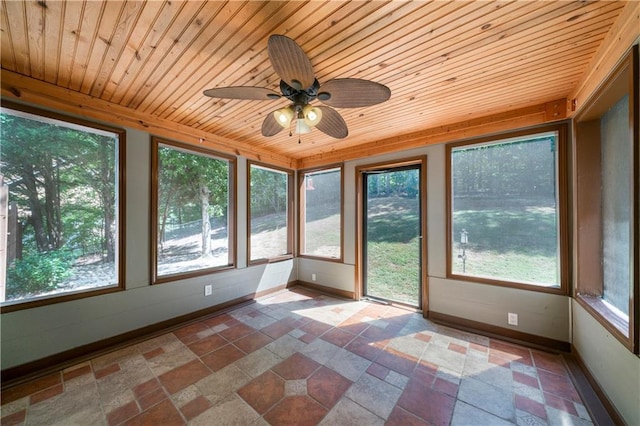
302, 358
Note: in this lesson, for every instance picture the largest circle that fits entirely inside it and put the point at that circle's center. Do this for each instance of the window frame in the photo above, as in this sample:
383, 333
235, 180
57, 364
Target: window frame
588, 221
120, 211
302, 212
562, 207
290, 213
156, 143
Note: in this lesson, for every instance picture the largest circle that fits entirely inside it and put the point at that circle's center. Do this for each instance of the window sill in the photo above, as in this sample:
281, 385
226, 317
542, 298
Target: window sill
270, 260
617, 326
510, 284
36, 302
323, 258
161, 279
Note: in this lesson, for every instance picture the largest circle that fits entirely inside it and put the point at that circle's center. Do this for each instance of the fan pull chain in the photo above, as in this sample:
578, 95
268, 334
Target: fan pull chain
291, 131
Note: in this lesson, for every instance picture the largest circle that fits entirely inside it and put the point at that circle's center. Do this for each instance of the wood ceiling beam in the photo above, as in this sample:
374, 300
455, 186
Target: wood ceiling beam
44, 94
518, 118
26, 89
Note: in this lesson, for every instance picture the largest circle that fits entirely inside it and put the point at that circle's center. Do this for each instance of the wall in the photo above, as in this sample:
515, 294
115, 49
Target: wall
614, 367
36, 333
540, 314
33, 334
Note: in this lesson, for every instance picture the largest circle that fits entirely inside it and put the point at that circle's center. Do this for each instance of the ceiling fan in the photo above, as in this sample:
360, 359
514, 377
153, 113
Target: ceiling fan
299, 85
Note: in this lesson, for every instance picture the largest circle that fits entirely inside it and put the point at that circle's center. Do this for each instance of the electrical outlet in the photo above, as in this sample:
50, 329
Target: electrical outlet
208, 290
313, 277
512, 318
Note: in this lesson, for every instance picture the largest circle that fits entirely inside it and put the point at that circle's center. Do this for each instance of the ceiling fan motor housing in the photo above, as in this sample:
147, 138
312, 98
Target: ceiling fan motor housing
300, 96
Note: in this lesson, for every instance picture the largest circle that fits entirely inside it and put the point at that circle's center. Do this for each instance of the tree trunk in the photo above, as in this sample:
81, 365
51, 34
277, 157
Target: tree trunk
36, 220
52, 203
165, 214
206, 226
107, 196
109, 237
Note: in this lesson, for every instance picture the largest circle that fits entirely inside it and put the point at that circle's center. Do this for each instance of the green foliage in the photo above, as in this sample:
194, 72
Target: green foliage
401, 183
181, 176
215, 211
62, 179
37, 273
521, 168
268, 191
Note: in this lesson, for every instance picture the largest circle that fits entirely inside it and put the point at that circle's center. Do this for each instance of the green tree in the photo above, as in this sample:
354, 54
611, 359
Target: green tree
268, 191
46, 163
33, 154
62, 179
94, 160
191, 178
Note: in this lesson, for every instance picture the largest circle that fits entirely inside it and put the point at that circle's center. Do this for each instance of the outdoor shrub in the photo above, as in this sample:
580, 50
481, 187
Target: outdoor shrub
38, 273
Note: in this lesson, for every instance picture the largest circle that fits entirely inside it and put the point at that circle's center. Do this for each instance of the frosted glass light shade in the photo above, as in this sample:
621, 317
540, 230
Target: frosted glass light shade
312, 115
284, 116
302, 127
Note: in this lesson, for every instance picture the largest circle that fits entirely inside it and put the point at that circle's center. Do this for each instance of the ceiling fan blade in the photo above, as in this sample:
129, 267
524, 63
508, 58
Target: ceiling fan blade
270, 126
243, 92
290, 62
332, 123
353, 93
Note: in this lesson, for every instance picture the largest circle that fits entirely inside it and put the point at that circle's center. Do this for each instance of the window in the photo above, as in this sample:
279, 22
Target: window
61, 229
192, 211
321, 213
506, 213
270, 213
607, 163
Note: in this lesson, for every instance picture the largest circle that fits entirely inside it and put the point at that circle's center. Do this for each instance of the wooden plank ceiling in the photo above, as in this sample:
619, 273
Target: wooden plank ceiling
445, 62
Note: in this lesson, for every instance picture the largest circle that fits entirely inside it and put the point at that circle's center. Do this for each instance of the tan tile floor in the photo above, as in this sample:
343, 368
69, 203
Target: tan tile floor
299, 358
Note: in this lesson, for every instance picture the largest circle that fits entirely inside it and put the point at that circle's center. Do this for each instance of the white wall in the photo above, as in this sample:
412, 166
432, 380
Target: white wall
614, 367
340, 276
33, 334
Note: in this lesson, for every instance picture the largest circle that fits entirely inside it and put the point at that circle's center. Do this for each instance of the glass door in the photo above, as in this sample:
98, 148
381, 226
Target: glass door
392, 240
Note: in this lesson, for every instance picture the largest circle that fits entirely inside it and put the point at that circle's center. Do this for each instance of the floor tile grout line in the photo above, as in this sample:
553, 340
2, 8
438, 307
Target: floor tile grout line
403, 330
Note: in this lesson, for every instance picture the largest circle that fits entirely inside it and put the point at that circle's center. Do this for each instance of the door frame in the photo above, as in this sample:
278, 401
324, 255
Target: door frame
420, 161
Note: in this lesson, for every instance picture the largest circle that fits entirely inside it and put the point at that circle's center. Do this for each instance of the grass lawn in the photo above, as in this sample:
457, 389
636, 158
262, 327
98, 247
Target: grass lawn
323, 237
393, 271
515, 243
509, 266
518, 243
393, 250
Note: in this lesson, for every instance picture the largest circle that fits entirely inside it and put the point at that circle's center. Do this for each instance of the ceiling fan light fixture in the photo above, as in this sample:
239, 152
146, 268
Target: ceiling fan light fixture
312, 115
302, 127
284, 116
